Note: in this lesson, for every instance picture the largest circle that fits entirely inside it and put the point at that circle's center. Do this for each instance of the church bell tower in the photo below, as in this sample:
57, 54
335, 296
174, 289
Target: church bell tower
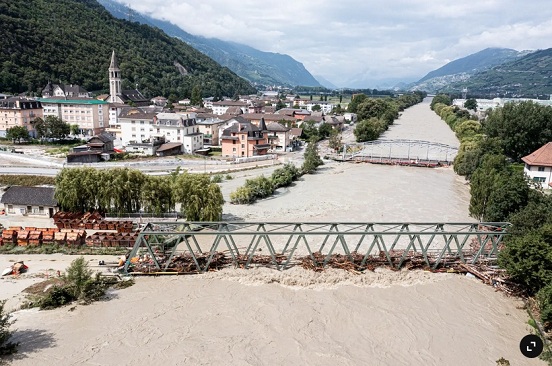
114, 80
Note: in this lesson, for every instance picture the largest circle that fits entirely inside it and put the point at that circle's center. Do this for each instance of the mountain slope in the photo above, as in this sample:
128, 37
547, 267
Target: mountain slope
259, 67
529, 75
71, 41
478, 61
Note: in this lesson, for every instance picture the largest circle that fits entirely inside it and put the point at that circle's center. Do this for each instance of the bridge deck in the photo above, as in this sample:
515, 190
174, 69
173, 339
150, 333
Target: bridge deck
195, 247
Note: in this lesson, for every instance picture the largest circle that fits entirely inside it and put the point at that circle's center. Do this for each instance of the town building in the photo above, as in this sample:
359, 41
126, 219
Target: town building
29, 201
278, 136
244, 139
141, 125
64, 91
538, 166
221, 107
90, 115
18, 111
210, 126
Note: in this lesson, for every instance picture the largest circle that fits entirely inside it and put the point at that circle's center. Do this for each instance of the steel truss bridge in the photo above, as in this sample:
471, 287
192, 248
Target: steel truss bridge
397, 151
285, 244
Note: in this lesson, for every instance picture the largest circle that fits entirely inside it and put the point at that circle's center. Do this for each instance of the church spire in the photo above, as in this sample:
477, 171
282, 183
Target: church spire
113, 64
114, 80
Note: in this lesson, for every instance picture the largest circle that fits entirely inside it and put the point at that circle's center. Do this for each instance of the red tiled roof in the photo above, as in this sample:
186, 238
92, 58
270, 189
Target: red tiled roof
540, 157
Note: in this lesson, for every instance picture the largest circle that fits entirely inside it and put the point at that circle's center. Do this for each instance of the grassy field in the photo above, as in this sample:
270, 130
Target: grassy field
25, 180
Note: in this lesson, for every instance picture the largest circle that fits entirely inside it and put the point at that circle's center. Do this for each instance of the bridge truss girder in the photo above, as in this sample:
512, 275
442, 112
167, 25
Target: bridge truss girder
391, 244
401, 149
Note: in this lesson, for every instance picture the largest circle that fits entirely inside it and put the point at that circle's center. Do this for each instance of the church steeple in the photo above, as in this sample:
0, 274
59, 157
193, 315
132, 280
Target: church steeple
114, 80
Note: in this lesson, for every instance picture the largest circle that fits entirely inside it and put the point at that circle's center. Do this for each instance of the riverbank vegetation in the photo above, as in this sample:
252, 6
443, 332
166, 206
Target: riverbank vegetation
262, 187
490, 158
7, 347
123, 190
79, 284
375, 115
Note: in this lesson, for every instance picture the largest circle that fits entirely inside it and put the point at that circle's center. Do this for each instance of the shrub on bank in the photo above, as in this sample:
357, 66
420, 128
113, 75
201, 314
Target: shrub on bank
6, 346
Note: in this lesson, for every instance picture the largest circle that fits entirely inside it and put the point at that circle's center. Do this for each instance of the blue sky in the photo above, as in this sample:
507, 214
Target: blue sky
347, 40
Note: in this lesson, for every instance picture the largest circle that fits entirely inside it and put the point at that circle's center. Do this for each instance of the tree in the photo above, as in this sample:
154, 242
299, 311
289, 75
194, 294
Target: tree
324, 130
471, 103
6, 346
369, 130
17, 133
312, 159
335, 142
440, 98
280, 105
316, 108
199, 198
497, 190
522, 127
196, 96
75, 130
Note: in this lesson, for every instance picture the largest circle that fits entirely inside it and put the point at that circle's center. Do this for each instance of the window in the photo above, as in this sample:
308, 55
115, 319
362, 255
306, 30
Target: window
539, 179
41, 210
10, 209
541, 169
242, 136
234, 149
243, 146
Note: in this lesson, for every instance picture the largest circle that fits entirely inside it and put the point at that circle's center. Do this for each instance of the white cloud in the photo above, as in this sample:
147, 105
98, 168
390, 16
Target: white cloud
340, 39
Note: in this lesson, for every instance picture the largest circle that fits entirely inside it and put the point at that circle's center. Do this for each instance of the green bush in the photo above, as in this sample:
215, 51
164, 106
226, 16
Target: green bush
218, 178
544, 299
6, 347
229, 177
261, 187
56, 297
242, 195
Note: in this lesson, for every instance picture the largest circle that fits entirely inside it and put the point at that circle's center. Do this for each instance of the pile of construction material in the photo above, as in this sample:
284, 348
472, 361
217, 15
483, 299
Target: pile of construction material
90, 221
111, 239
33, 236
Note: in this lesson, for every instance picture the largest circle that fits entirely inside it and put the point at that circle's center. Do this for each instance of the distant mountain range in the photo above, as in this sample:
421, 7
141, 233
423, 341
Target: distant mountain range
261, 68
492, 72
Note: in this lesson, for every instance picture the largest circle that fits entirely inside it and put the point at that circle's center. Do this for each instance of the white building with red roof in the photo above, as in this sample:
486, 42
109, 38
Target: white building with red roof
538, 166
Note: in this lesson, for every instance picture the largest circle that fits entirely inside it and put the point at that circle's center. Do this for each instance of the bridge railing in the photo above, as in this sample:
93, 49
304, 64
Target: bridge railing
195, 247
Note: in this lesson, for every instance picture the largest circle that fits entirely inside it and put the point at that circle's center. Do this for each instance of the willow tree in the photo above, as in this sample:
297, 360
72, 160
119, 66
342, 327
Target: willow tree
70, 193
157, 195
200, 199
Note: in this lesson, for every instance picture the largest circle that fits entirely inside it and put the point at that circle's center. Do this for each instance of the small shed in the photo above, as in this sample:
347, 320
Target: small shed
169, 148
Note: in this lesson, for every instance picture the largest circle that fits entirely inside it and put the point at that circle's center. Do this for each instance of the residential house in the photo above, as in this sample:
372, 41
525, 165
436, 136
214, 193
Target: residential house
58, 91
256, 118
159, 101
18, 111
278, 136
210, 126
99, 147
244, 139
29, 201
325, 107
222, 106
298, 114
538, 166
141, 125
90, 115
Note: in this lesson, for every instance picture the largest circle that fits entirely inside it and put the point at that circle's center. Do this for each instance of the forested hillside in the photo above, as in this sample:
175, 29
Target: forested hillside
71, 41
527, 76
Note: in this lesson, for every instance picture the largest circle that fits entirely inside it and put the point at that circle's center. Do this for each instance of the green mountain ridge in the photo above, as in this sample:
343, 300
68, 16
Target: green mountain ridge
478, 61
259, 67
527, 76
71, 41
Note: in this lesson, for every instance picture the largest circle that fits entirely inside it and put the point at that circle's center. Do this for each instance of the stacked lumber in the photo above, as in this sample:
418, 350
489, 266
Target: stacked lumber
23, 238
35, 237
9, 236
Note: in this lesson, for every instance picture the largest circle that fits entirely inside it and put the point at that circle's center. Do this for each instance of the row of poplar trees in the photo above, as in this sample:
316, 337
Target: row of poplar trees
123, 190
